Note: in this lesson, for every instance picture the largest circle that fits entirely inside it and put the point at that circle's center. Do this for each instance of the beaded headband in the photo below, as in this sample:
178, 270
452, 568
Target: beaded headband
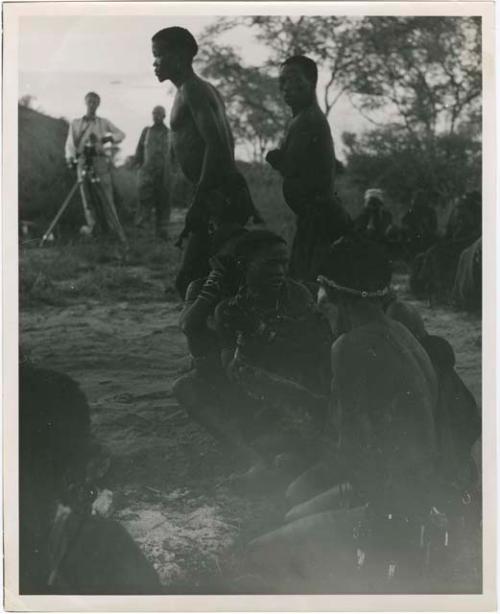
362, 293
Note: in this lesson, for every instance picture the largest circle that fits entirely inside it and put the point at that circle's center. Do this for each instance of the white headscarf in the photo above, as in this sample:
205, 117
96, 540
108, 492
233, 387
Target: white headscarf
375, 193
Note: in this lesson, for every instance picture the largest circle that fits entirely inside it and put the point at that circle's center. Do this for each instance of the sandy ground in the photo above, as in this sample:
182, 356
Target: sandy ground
166, 473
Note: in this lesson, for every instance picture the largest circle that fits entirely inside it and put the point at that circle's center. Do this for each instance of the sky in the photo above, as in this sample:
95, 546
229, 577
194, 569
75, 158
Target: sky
63, 57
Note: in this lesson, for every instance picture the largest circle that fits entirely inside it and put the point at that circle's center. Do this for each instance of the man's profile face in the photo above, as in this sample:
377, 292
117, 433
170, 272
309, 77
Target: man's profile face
158, 115
268, 268
166, 61
297, 90
92, 103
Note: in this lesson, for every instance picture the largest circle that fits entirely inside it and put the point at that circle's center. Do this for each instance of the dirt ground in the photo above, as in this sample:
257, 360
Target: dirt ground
112, 327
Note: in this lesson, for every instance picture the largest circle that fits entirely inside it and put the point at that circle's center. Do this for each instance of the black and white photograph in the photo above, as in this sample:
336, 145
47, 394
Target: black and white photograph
249, 354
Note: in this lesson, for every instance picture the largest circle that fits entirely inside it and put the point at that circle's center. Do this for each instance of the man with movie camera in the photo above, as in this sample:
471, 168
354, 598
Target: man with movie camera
85, 150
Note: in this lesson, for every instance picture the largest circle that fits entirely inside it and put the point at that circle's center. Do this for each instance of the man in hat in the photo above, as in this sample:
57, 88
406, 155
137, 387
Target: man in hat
306, 162
204, 146
152, 157
85, 147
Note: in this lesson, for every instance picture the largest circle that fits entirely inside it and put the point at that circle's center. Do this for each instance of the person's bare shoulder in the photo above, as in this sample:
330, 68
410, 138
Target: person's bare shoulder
199, 92
299, 295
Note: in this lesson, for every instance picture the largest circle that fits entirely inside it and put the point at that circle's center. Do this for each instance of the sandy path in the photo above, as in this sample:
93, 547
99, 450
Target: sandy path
166, 471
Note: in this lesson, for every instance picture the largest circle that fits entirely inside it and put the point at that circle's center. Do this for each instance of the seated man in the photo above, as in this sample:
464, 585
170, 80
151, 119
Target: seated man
375, 220
271, 339
65, 546
380, 443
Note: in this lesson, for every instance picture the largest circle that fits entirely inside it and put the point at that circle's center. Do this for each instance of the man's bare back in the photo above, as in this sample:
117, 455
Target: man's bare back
384, 393
198, 120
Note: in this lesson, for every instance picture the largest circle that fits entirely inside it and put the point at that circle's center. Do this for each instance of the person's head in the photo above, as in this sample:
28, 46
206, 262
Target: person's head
54, 440
92, 102
262, 257
356, 272
374, 199
173, 51
298, 79
158, 115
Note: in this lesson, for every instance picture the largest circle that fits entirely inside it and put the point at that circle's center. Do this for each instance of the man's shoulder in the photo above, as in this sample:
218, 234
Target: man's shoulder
198, 89
313, 116
298, 295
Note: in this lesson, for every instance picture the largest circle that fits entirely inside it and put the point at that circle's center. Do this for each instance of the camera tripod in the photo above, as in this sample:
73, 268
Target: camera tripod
102, 204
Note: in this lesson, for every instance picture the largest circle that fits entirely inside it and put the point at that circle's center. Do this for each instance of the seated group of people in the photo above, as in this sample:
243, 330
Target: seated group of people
343, 398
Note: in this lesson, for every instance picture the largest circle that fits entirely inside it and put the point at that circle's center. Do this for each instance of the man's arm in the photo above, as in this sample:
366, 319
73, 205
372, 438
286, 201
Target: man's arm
139, 152
117, 135
208, 125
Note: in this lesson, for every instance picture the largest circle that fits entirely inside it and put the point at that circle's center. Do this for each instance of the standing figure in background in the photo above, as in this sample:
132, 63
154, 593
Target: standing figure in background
204, 146
375, 220
419, 224
152, 157
306, 161
87, 136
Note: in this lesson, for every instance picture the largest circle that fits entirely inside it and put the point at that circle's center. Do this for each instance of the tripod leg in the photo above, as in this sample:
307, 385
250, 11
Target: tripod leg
59, 214
111, 214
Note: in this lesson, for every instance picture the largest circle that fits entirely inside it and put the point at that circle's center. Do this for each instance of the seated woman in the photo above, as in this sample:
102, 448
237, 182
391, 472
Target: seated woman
274, 349
66, 547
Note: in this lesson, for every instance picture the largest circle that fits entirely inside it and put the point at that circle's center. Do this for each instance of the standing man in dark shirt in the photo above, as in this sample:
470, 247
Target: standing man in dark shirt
419, 223
203, 143
152, 157
306, 161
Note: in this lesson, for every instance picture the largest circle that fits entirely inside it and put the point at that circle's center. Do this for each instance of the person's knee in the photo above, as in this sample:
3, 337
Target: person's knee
184, 390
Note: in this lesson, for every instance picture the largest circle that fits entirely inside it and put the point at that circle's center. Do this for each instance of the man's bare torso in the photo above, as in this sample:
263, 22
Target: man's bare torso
188, 142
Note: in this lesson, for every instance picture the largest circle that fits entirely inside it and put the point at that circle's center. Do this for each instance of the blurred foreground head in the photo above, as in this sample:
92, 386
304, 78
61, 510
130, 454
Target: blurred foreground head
173, 51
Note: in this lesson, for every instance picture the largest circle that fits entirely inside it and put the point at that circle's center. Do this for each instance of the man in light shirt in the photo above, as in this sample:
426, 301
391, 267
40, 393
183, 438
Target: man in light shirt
87, 136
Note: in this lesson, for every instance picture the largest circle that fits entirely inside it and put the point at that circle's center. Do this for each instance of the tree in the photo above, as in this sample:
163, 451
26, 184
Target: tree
326, 39
386, 158
253, 102
428, 69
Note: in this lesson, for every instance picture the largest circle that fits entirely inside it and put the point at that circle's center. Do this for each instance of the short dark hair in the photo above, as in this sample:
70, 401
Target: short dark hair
92, 95
308, 67
358, 264
254, 240
177, 38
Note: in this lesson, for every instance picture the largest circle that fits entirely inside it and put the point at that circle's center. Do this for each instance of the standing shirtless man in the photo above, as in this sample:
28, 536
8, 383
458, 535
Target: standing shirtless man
306, 162
204, 146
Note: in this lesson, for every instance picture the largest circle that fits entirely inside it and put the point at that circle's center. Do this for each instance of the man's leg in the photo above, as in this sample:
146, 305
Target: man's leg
313, 554
145, 198
161, 207
200, 402
195, 260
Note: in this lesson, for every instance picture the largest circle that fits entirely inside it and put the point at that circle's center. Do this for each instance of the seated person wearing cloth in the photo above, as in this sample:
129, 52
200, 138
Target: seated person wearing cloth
381, 444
